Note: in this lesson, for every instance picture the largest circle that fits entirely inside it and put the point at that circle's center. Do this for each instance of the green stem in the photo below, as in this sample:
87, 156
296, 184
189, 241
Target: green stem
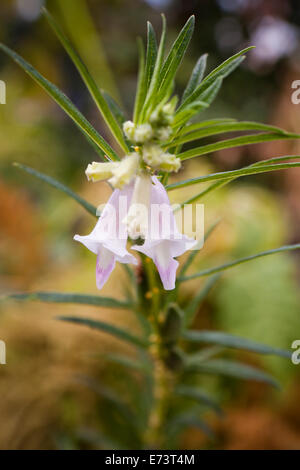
163, 385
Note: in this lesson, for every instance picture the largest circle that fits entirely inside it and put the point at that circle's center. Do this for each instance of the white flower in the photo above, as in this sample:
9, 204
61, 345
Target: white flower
124, 171
129, 128
143, 133
163, 242
154, 156
97, 171
106, 241
163, 133
137, 216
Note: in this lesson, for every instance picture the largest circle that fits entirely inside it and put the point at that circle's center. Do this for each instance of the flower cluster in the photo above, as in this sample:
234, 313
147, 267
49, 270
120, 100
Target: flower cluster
134, 179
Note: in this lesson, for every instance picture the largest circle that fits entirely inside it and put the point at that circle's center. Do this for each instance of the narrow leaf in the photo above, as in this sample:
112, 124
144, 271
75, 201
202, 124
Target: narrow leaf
141, 89
187, 113
175, 57
233, 174
223, 267
61, 297
89, 82
49, 180
235, 142
64, 102
222, 183
203, 102
236, 369
151, 53
196, 77
107, 328
223, 70
200, 125
232, 341
225, 127
155, 80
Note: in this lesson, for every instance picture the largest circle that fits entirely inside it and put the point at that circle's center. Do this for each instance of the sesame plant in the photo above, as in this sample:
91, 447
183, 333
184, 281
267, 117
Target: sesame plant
163, 394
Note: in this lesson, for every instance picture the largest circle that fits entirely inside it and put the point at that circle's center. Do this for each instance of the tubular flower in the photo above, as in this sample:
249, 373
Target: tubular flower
109, 237
120, 173
163, 241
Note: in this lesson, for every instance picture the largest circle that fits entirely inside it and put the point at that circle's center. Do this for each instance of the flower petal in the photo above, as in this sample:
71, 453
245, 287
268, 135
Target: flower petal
164, 242
109, 237
106, 262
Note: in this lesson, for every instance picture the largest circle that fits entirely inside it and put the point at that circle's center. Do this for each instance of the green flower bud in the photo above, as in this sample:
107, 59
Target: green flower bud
143, 133
97, 171
129, 128
123, 173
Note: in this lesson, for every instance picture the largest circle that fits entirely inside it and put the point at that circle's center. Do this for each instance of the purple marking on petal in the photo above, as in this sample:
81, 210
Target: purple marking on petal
167, 274
104, 266
108, 239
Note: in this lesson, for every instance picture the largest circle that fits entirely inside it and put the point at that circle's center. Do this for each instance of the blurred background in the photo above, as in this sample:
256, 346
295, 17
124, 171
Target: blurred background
42, 406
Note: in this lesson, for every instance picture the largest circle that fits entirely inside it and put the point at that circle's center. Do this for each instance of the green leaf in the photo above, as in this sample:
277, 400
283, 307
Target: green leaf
200, 125
200, 396
235, 142
235, 369
231, 341
223, 267
64, 102
225, 127
141, 89
48, 179
221, 183
174, 58
89, 82
196, 77
233, 174
62, 297
151, 53
155, 80
203, 102
222, 71
107, 328
192, 307
186, 114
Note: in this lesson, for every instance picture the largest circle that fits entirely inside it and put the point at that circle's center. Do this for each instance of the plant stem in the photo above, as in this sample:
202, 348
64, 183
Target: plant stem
163, 385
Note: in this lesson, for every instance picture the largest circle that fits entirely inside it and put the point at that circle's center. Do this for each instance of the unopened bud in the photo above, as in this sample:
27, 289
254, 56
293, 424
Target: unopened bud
128, 128
123, 173
97, 171
143, 133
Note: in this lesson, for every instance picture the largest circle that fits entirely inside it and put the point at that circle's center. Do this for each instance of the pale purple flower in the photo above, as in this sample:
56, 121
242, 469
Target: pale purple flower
109, 237
163, 241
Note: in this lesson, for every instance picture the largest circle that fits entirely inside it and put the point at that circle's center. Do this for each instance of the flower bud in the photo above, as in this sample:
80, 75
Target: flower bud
129, 128
152, 154
155, 157
124, 171
170, 163
163, 133
143, 133
97, 171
